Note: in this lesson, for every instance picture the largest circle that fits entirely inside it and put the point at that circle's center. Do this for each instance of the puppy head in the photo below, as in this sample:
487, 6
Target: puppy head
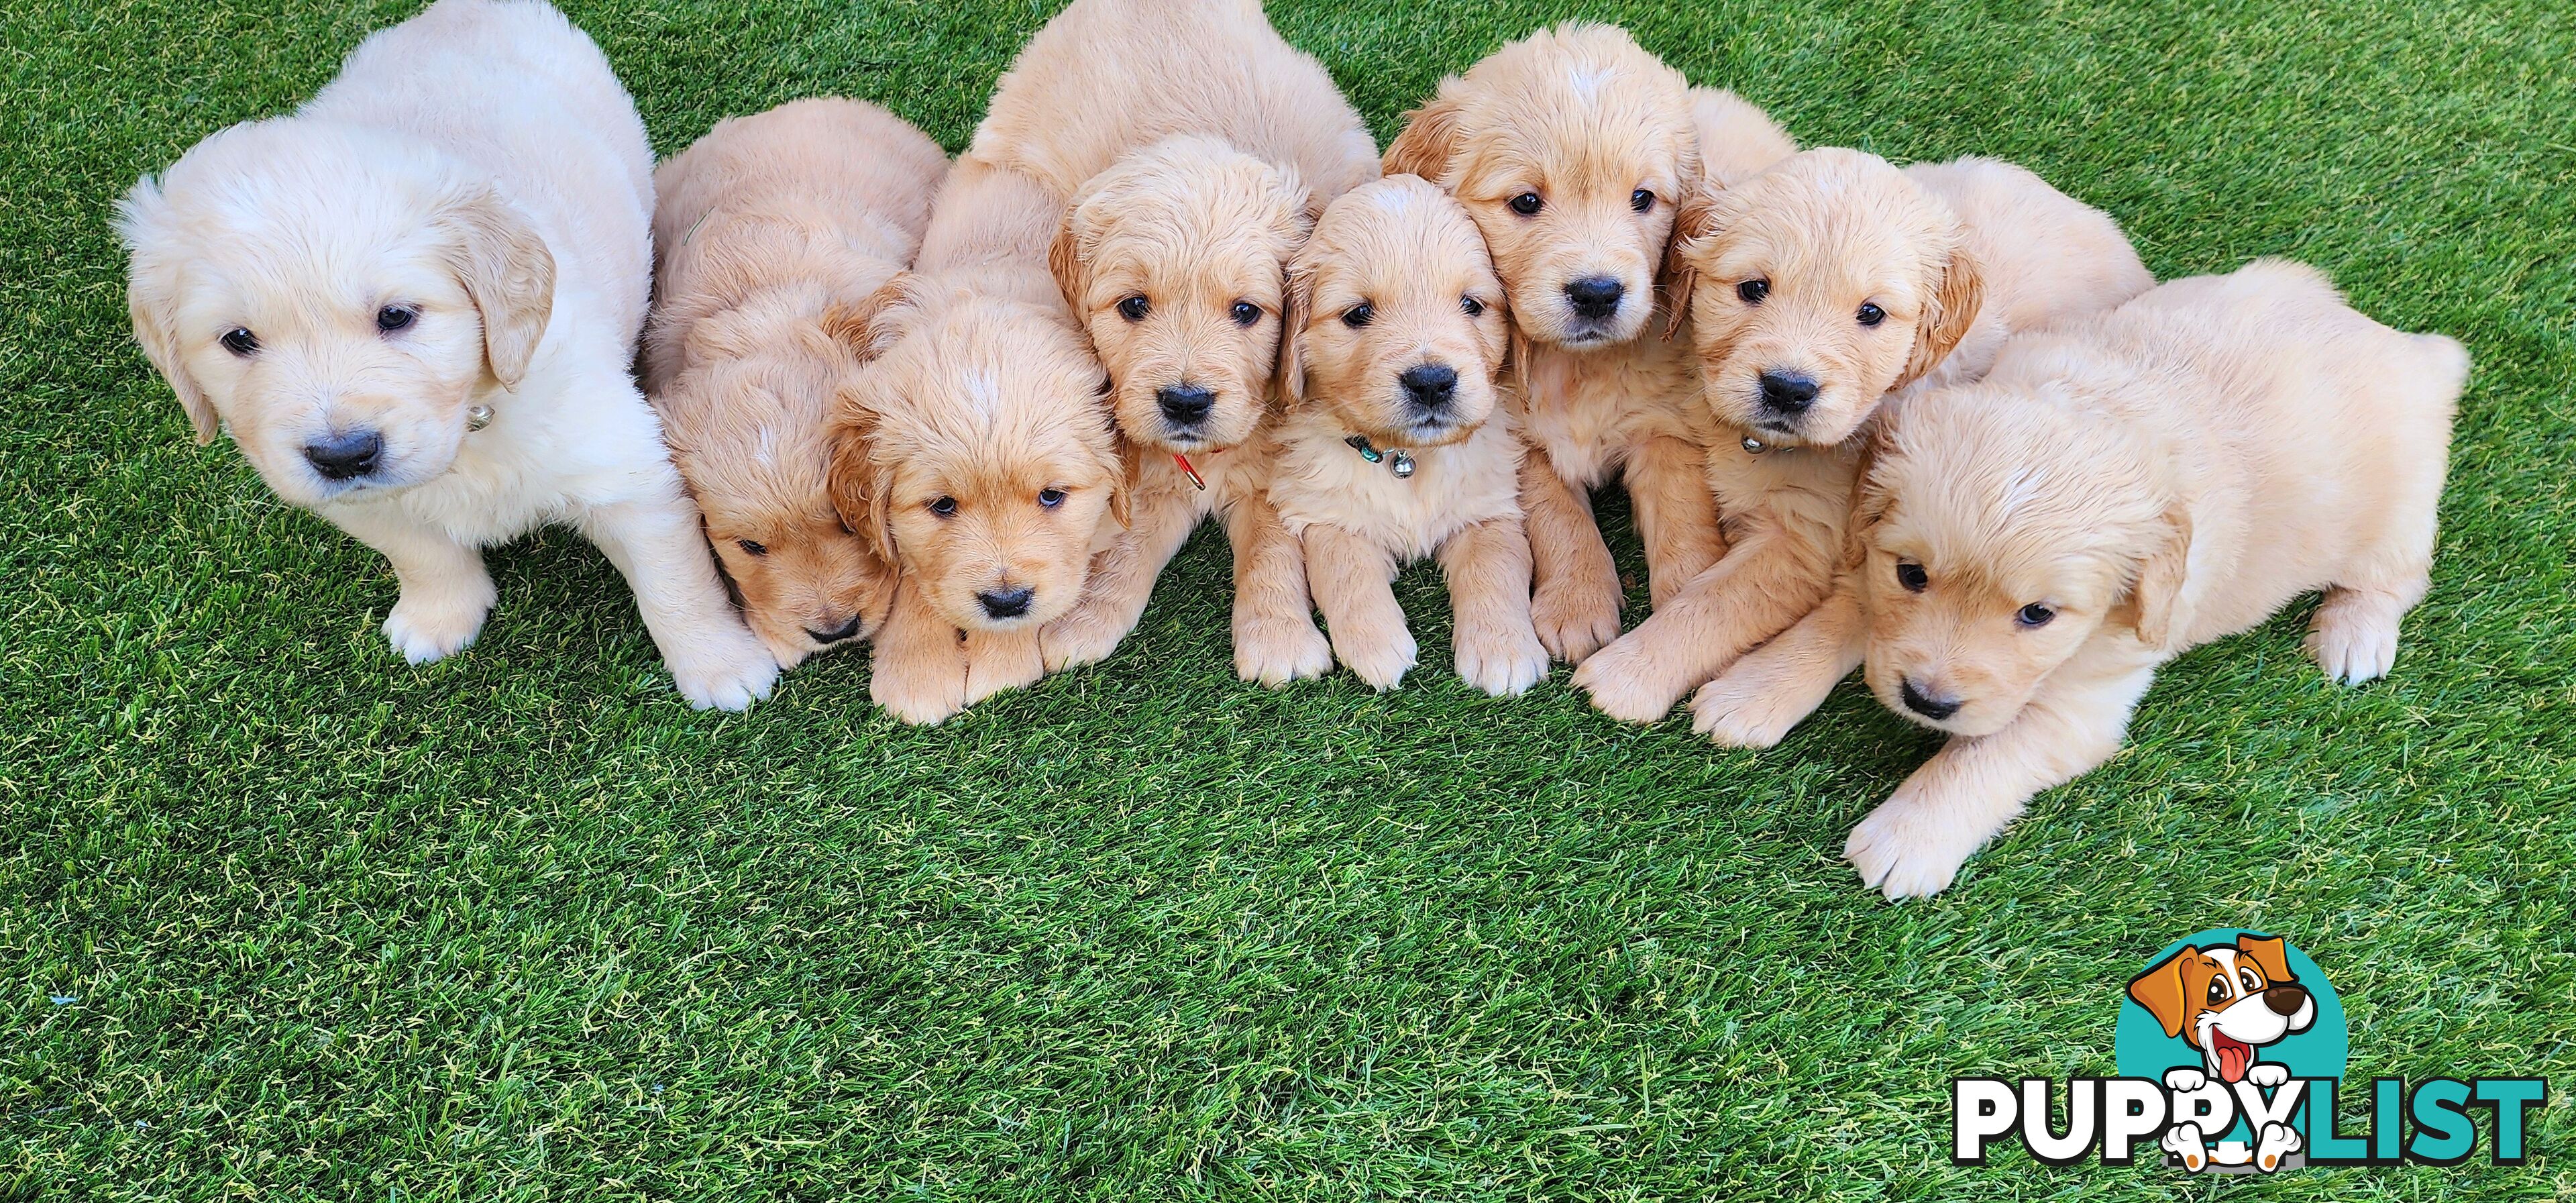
2227, 1000
1176, 261
1571, 148
1395, 318
975, 449
749, 431
1999, 531
336, 302
1817, 287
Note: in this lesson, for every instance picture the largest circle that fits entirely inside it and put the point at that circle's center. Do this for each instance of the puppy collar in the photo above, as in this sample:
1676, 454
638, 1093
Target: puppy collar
1398, 462
477, 417
1188, 471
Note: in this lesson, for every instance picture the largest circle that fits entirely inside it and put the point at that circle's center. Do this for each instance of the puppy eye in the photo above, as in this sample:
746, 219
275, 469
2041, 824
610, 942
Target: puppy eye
1912, 576
945, 507
1641, 201
1871, 315
1474, 307
395, 317
1135, 308
1752, 291
1527, 204
2217, 990
2251, 983
751, 548
1359, 315
2034, 615
1050, 498
1246, 313
241, 342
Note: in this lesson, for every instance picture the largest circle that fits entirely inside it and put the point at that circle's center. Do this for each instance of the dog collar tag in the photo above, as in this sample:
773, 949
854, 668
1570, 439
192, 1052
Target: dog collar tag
1401, 464
477, 417
1398, 462
1188, 471
1754, 446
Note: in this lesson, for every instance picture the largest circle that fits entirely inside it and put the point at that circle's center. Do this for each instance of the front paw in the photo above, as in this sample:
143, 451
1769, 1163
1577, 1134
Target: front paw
2353, 643
2267, 1074
2277, 1141
2185, 1079
1575, 617
2184, 1141
1085, 634
998, 661
1381, 662
428, 625
729, 671
1738, 710
1620, 680
1274, 651
1909, 850
1503, 663
931, 690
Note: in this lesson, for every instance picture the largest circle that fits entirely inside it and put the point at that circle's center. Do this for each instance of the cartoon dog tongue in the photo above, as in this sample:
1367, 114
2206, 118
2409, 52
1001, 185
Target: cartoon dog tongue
2233, 1056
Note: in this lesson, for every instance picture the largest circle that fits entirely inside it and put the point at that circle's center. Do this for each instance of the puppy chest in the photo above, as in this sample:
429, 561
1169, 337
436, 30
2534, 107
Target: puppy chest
1587, 412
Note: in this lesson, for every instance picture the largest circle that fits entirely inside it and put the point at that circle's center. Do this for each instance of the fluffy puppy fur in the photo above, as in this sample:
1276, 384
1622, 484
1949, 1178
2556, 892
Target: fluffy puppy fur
2116, 492
772, 230
1817, 289
1397, 337
455, 229
1573, 149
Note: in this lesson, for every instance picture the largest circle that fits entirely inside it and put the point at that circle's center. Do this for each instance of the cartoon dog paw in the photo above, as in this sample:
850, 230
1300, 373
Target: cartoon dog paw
2267, 1074
2185, 1142
2276, 1142
2185, 1079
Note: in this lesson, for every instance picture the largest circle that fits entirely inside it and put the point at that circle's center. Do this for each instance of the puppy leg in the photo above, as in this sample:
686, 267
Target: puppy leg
1354, 580
1676, 515
1765, 583
1489, 593
1121, 581
661, 547
1576, 603
446, 594
918, 668
1913, 844
2354, 634
1000, 660
1275, 640
1755, 702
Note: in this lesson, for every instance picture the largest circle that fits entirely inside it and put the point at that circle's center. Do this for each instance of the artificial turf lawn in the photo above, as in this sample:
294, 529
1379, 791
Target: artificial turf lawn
281, 917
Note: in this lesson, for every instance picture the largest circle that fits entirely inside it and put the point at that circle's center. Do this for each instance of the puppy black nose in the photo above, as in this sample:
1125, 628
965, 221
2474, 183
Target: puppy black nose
1787, 392
1925, 704
1007, 603
1596, 297
1429, 386
342, 456
847, 630
1185, 404
2285, 999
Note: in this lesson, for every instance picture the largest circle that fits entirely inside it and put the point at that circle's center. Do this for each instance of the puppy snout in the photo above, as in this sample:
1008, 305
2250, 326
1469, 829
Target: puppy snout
847, 630
1009, 602
346, 455
2285, 999
1787, 392
1428, 387
1595, 298
1185, 404
1926, 703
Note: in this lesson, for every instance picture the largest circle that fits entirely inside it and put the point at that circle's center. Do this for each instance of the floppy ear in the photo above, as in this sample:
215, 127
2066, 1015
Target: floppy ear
1123, 470
143, 217
1064, 259
510, 274
1954, 299
1292, 333
2157, 595
857, 486
877, 321
1428, 140
2271, 954
2160, 991
1695, 221
1869, 508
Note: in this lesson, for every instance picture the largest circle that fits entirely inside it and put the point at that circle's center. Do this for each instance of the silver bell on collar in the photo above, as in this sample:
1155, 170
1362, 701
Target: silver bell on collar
477, 417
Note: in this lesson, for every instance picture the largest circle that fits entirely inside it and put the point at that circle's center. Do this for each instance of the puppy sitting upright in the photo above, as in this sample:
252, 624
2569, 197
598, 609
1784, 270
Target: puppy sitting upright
415, 304
2116, 492
1399, 441
771, 231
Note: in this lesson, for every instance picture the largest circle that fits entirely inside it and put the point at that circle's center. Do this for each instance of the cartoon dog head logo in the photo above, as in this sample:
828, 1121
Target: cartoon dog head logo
2227, 1000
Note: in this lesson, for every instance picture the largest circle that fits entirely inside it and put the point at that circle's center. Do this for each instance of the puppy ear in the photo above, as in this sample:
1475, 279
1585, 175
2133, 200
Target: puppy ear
2270, 953
1064, 259
143, 218
1300, 295
1428, 140
507, 269
1123, 471
1695, 222
2160, 990
877, 321
858, 487
1870, 507
2156, 597
1954, 299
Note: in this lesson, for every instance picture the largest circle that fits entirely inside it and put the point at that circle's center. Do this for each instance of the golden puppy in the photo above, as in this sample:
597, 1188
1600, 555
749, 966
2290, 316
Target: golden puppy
1399, 441
770, 231
2116, 492
1817, 288
1573, 149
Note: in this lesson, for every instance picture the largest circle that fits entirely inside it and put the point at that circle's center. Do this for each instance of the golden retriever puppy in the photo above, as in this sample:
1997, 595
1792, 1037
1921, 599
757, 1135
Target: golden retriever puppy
2116, 492
1574, 149
1817, 289
770, 232
414, 302
1400, 441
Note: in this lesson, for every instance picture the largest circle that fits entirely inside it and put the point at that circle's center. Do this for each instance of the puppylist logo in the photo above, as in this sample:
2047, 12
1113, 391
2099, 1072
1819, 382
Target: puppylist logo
2231, 1047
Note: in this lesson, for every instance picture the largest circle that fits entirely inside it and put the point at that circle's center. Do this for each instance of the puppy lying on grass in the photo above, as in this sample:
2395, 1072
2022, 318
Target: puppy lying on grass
415, 304
772, 231
2116, 492
1399, 441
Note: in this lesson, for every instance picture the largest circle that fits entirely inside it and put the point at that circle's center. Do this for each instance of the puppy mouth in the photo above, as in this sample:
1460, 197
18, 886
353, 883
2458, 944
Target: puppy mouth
2234, 1055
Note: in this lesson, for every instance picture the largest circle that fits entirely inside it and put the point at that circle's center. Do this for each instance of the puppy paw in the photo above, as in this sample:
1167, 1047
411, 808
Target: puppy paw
1380, 662
1084, 635
2267, 1074
730, 676
2274, 1143
919, 695
1001, 661
1619, 680
1742, 711
427, 625
1575, 618
1905, 850
2185, 1079
1502, 663
2354, 637
1274, 651
2186, 1144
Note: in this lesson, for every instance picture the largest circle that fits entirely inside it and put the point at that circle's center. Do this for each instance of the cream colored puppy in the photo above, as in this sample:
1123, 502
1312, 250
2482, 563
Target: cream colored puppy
1399, 441
771, 232
415, 301
1818, 288
2121, 490
1573, 149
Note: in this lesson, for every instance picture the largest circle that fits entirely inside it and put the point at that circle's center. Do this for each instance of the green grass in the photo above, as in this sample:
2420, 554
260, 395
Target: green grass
521, 925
